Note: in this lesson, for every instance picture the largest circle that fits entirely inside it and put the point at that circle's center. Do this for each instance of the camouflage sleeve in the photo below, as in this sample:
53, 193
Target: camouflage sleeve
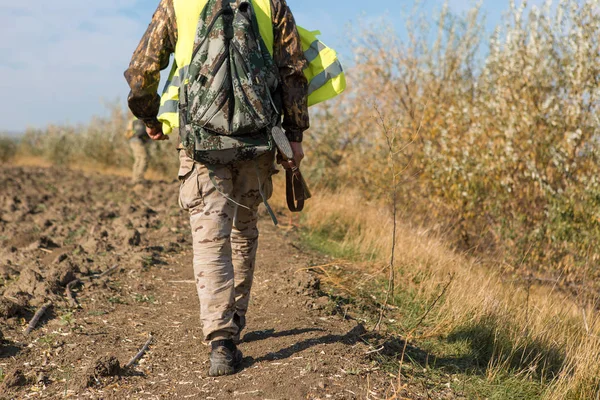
290, 59
151, 56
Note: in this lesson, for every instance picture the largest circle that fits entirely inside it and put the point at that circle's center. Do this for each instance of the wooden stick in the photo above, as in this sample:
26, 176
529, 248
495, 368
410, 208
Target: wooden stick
69, 288
376, 350
107, 272
70, 295
141, 353
36, 317
98, 276
322, 267
150, 206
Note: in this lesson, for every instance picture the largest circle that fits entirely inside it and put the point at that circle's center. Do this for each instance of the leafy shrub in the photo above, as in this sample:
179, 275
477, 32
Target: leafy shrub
101, 142
8, 148
501, 153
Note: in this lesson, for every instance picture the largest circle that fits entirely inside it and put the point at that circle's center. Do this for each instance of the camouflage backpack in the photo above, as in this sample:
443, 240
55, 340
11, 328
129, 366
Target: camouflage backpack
228, 103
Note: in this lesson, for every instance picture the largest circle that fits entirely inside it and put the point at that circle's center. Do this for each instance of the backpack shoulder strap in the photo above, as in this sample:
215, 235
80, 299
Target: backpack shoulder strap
264, 15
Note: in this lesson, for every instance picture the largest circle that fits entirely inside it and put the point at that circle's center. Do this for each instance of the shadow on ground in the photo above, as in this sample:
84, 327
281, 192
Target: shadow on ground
481, 344
350, 338
271, 333
8, 350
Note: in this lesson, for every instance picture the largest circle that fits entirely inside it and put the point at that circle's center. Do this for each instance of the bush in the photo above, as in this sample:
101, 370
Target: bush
501, 154
8, 148
101, 142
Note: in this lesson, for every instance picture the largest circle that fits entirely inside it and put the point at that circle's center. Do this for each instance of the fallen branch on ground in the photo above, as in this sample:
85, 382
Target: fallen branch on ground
70, 285
103, 274
70, 295
36, 317
141, 353
321, 267
376, 350
150, 206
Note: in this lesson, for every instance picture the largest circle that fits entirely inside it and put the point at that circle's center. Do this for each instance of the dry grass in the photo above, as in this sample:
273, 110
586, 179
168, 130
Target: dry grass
31, 161
526, 329
100, 145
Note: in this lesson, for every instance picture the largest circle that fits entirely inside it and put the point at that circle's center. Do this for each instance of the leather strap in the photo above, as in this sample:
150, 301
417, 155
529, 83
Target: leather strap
294, 190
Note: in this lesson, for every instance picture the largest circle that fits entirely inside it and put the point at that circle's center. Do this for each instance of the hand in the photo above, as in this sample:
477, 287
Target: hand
156, 133
298, 152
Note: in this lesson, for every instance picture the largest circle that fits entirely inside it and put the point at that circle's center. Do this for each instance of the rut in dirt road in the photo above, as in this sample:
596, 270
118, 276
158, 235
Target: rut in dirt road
62, 228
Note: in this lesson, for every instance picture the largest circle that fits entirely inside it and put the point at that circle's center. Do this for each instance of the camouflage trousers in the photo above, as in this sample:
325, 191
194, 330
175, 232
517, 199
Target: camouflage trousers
225, 235
140, 159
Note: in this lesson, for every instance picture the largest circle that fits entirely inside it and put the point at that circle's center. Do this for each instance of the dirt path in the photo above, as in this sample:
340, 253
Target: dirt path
57, 225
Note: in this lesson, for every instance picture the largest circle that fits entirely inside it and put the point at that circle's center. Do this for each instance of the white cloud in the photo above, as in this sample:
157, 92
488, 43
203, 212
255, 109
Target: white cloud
62, 57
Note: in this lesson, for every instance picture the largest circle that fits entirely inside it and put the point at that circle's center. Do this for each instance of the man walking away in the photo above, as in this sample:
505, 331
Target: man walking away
239, 74
138, 142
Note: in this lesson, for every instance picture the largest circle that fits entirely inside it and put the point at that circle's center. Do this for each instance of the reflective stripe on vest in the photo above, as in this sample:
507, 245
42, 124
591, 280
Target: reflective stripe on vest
324, 72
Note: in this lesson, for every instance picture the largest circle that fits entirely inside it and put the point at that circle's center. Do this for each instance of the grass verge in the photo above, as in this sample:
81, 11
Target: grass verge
452, 321
459, 360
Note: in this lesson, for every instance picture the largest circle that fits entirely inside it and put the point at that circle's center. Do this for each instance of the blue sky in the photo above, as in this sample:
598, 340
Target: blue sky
62, 59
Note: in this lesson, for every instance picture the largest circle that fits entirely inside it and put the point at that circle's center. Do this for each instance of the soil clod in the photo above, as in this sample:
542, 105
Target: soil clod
103, 367
307, 284
135, 238
12, 380
9, 308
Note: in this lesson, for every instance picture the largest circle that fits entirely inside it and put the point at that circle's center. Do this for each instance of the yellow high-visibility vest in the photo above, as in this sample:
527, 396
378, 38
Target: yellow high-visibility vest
324, 72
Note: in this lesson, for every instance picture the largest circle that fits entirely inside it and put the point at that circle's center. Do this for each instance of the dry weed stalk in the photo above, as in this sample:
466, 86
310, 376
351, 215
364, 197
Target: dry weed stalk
393, 151
390, 137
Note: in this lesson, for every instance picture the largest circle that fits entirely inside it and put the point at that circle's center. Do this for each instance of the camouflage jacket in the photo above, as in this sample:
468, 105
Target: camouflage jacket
158, 43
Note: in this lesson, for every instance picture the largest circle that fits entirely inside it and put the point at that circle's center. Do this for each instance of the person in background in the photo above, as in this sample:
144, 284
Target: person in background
138, 142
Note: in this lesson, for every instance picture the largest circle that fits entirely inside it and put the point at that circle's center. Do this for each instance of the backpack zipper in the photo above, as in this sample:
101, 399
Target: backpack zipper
219, 65
256, 38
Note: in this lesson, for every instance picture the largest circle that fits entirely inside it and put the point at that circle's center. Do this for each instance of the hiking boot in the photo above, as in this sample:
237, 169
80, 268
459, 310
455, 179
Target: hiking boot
241, 324
224, 358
